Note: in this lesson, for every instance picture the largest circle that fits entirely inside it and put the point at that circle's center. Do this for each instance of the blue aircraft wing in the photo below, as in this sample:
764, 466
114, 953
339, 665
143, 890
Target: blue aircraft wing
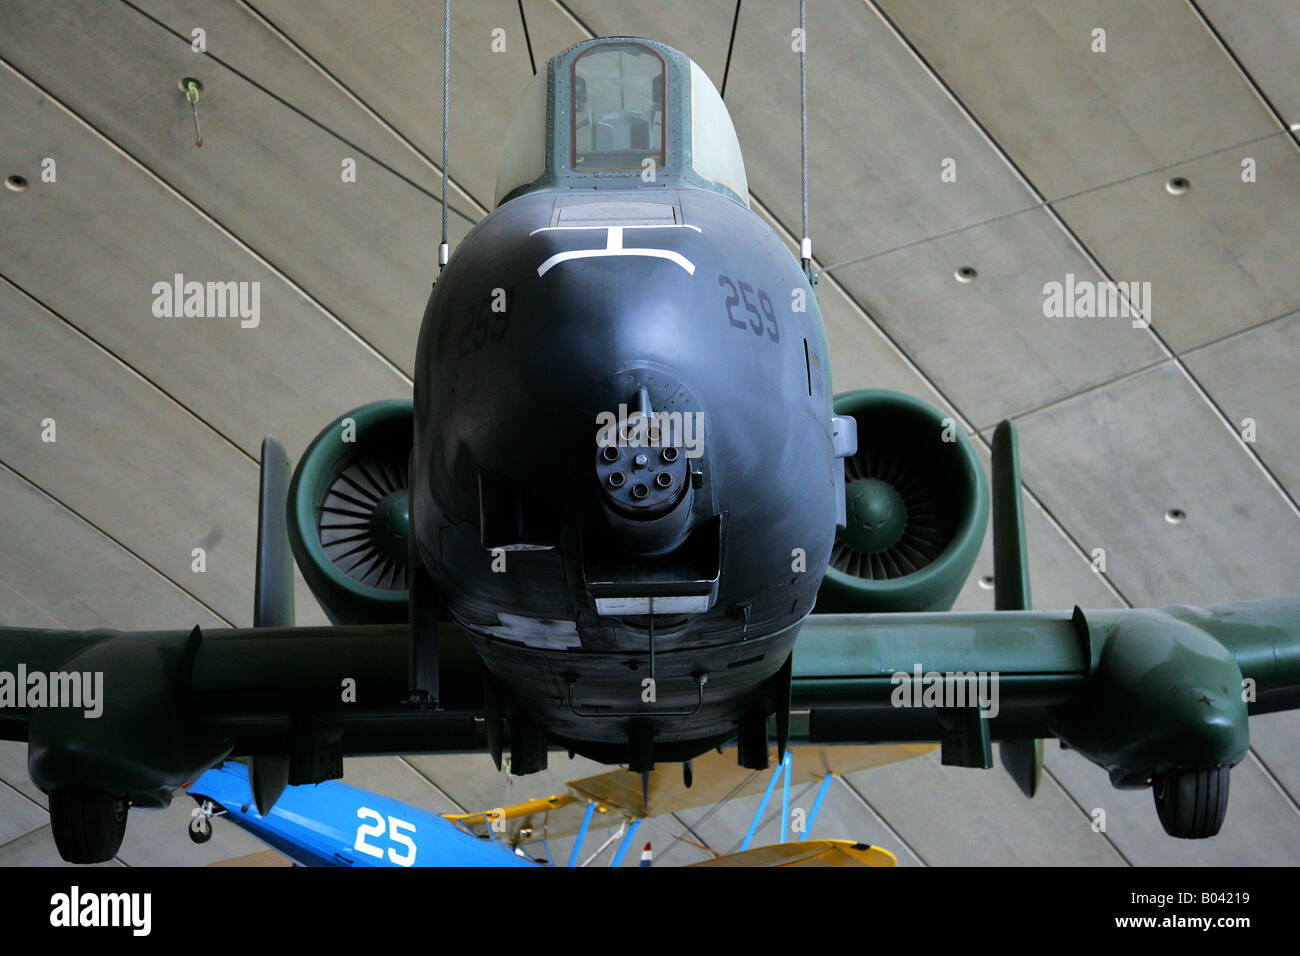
335, 824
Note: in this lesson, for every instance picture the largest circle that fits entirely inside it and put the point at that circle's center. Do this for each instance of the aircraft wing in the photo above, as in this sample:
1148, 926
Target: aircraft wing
139, 711
1137, 691
813, 853
161, 706
335, 824
1154, 696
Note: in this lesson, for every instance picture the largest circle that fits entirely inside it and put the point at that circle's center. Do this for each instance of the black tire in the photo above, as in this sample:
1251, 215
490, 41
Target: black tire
88, 825
1191, 803
200, 829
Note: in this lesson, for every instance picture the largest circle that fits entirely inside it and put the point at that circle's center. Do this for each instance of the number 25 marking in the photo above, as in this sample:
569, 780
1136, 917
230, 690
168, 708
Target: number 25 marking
395, 829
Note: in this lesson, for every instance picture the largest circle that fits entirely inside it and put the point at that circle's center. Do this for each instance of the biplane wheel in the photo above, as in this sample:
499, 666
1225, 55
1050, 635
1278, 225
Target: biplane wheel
1191, 803
88, 825
200, 828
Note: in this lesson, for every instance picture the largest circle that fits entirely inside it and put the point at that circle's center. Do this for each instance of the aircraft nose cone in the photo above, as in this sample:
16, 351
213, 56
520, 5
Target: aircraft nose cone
877, 516
390, 524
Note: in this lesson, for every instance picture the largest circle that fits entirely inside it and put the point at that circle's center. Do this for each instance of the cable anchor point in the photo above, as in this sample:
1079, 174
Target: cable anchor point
191, 88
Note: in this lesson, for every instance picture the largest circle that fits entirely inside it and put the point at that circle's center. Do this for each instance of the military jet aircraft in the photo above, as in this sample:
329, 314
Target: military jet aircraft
625, 517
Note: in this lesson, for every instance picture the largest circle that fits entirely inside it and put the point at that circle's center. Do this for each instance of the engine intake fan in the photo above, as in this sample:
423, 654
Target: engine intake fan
349, 518
917, 509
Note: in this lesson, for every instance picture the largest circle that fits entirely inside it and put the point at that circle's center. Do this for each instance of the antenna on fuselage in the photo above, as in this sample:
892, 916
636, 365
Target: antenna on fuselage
805, 244
444, 248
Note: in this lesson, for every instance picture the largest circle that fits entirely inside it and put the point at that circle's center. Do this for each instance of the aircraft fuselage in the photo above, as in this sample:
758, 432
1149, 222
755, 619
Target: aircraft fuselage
557, 310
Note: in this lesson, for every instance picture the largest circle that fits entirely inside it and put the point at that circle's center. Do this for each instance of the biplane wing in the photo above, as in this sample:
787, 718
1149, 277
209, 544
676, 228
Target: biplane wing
336, 824
715, 777
617, 795
812, 853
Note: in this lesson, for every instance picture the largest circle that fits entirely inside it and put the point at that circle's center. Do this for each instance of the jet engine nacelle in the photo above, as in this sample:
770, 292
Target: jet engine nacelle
349, 514
916, 508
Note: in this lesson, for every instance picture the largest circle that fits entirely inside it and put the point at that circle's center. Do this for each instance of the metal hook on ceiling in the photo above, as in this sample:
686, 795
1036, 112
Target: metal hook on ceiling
191, 88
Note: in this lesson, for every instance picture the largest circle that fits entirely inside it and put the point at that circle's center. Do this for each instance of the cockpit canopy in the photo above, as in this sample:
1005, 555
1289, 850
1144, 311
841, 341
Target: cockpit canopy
617, 119
616, 113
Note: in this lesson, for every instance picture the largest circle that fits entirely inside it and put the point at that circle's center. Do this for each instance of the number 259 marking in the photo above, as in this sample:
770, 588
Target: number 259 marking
395, 829
760, 321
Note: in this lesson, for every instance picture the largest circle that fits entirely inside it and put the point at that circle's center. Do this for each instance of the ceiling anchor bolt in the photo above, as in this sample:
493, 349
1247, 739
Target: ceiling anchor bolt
191, 88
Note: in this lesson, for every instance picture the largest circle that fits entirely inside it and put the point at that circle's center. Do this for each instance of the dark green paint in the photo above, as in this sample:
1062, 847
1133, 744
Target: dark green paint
936, 585
345, 600
1023, 759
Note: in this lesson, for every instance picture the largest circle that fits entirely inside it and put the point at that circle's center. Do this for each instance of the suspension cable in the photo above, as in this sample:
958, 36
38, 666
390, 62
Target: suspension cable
805, 244
731, 45
527, 39
444, 249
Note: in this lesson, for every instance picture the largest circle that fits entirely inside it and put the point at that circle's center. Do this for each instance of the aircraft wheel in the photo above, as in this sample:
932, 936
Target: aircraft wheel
1191, 803
200, 828
88, 825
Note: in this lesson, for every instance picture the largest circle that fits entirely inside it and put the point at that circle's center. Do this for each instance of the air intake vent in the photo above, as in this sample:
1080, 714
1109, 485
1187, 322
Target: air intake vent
349, 514
916, 506
898, 521
363, 521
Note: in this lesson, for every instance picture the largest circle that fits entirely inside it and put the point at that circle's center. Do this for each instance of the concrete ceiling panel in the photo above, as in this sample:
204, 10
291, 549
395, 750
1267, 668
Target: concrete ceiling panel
57, 571
1111, 463
986, 343
390, 56
366, 250
92, 246
1221, 257
955, 816
1263, 35
1073, 118
1256, 375
130, 461
246, 42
